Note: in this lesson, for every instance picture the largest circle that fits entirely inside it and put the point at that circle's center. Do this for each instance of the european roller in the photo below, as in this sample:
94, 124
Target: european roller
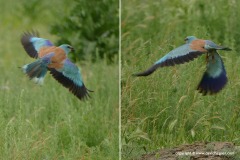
53, 59
214, 78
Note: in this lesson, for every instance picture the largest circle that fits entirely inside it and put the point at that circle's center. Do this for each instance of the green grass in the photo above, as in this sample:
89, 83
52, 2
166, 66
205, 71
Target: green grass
48, 122
164, 110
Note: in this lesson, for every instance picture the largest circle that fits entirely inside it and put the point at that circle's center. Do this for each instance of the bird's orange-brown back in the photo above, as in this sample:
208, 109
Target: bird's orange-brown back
198, 45
58, 58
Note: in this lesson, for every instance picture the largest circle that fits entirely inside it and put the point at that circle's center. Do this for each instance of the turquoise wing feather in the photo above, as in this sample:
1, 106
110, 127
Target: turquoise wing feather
71, 71
32, 43
214, 78
70, 77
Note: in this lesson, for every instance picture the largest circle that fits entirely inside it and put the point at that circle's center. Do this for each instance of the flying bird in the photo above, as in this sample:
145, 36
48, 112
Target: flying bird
53, 59
214, 78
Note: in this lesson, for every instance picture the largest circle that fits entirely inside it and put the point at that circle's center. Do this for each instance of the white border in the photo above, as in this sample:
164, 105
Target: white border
119, 53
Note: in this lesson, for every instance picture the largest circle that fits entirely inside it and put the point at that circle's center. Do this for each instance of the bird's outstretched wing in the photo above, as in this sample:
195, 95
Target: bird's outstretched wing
70, 77
182, 54
32, 43
214, 78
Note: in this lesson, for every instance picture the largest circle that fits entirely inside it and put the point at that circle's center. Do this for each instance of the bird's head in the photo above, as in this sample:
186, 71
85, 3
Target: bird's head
67, 48
189, 39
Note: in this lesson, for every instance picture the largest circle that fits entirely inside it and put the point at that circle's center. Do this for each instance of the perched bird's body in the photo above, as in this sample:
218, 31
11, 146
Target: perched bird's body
54, 59
192, 49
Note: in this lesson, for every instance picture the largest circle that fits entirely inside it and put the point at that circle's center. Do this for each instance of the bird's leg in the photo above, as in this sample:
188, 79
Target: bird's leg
207, 56
213, 59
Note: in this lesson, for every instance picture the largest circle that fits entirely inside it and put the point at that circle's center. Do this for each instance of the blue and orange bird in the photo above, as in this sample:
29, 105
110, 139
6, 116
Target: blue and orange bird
214, 78
54, 59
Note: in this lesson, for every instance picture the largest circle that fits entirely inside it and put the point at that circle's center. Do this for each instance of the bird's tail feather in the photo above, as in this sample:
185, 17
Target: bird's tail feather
224, 48
36, 71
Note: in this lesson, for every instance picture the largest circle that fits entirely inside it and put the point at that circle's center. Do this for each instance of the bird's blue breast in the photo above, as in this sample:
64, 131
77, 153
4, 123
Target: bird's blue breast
215, 66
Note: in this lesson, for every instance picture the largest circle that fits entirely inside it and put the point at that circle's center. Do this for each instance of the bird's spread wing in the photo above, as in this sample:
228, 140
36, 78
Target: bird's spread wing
32, 43
214, 78
180, 55
69, 76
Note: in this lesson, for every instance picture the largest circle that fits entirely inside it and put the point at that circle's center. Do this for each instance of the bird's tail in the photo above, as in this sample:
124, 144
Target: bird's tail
224, 48
38, 69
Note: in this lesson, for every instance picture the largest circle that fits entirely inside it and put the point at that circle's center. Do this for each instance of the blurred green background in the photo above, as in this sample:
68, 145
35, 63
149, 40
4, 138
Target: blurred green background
48, 122
97, 26
164, 110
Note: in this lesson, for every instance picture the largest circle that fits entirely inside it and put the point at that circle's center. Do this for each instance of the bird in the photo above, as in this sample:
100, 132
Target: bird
214, 78
55, 60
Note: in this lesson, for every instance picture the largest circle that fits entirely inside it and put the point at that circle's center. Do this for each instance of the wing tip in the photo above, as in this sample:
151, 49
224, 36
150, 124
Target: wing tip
142, 74
147, 72
139, 74
27, 45
83, 93
31, 33
80, 91
209, 85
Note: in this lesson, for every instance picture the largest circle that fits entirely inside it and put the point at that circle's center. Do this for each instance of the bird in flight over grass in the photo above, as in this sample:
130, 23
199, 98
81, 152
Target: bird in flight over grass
54, 59
214, 78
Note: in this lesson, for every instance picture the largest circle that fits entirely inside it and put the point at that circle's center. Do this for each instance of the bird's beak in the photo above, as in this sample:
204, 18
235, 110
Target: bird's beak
72, 49
185, 39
